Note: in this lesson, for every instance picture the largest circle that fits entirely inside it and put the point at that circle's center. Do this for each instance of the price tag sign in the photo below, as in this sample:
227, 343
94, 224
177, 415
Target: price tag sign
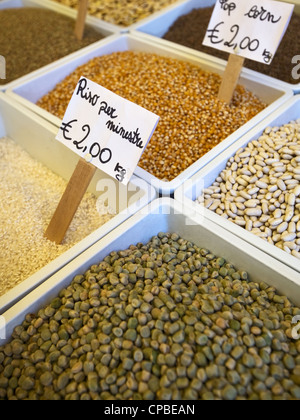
106, 130
252, 29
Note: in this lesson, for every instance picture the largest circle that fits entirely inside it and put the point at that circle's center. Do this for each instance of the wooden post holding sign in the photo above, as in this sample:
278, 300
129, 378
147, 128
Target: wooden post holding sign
70, 201
107, 132
250, 29
231, 77
81, 17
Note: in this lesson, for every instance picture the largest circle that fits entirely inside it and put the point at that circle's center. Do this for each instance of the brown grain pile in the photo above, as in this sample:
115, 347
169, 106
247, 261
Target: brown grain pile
31, 38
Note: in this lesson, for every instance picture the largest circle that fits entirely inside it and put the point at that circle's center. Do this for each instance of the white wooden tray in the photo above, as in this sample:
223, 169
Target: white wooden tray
37, 137
164, 215
29, 91
188, 193
105, 30
160, 25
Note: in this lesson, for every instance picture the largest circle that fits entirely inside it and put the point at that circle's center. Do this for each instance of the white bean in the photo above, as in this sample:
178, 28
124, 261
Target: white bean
291, 199
240, 222
230, 214
277, 214
208, 203
282, 227
253, 212
208, 191
292, 227
297, 170
264, 218
242, 182
245, 195
290, 245
277, 193
281, 184
288, 237
289, 213
296, 254
272, 188
296, 218
249, 225
240, 206
265, 208
253, 191
275, 222
251, 203
215, 205
297, 191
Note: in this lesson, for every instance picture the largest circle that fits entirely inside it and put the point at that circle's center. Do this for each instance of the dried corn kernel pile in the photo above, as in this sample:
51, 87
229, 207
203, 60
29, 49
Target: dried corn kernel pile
192, 119
29, 195
121, 12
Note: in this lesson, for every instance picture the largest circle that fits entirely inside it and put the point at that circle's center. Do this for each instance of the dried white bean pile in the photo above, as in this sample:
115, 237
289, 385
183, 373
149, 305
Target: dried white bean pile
260, 190
29, 194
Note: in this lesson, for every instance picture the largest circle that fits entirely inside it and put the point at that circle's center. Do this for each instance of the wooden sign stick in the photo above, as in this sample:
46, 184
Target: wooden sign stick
70, 201
81, 16
231, 77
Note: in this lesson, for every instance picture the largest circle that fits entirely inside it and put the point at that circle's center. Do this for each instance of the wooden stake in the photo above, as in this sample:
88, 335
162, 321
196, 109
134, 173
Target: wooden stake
231, 77
81, 16
70, 201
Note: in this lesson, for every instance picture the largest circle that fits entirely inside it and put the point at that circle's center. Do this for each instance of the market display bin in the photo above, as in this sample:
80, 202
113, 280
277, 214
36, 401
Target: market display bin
115, 27
68, 11
188, 193
105, 30
162, 215
272, 93
160, 25
37, 137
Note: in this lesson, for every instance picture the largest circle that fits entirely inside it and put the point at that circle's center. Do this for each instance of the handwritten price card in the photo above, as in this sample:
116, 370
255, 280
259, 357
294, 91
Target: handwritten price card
250, 28
106, 130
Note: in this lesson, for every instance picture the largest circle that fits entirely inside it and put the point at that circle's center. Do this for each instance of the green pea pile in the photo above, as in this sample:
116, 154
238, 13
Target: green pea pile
162, 321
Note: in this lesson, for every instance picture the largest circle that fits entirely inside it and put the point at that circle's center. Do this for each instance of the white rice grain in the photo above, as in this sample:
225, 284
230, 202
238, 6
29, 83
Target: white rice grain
29, 195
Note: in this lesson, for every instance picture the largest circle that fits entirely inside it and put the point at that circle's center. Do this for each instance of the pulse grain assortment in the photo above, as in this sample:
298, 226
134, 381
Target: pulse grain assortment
30, 193
192, 120
166, 320
31, 38
259, 189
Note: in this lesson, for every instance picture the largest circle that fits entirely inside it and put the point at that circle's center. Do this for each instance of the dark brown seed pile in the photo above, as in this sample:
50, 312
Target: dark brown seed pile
31, 38
189, 30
